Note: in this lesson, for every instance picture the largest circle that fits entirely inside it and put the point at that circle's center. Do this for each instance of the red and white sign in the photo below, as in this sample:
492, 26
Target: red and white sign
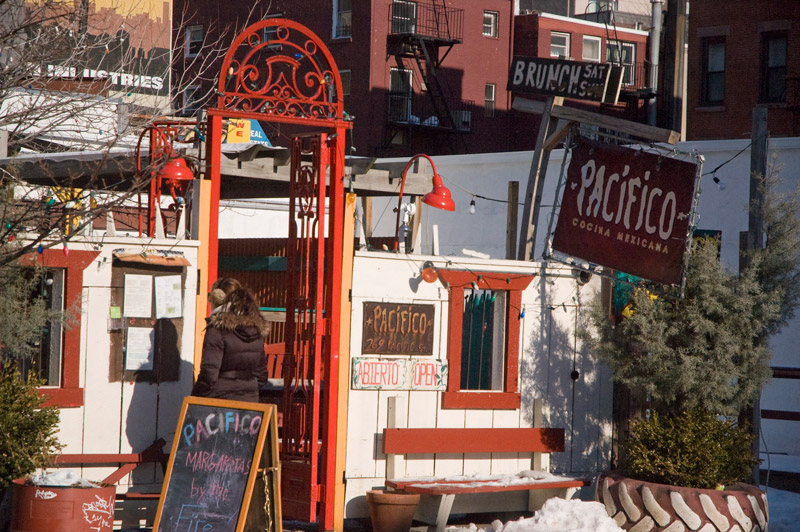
627, 209
372, 373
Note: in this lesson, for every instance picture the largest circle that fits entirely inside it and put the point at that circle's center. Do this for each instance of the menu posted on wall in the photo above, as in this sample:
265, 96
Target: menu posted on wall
223, 463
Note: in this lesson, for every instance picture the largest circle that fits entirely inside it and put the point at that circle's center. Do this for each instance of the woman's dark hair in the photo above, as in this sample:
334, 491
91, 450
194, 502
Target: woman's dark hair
242, 303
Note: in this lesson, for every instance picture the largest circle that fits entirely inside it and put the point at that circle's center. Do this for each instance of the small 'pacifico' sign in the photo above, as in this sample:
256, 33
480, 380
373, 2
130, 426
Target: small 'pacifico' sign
213, 464
397, 329
559, 77
628, 210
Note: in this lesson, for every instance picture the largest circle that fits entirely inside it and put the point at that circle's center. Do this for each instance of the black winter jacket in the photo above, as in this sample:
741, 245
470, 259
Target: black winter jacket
234, 365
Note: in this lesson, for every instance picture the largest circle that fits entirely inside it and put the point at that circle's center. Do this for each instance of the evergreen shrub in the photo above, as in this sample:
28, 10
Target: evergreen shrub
694, 449
28, 431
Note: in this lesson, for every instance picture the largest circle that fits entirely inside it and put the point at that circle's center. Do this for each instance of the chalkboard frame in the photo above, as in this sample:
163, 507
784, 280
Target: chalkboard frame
265, 466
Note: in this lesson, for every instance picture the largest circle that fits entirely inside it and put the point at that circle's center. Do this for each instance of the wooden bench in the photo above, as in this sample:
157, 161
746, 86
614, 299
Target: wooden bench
441, 491
125, 462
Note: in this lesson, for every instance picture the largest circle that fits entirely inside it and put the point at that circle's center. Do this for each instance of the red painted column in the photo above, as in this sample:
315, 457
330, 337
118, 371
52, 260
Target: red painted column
214, 150
333, 306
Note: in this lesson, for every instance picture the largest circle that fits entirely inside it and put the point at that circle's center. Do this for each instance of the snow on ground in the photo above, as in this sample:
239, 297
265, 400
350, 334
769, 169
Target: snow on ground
784, 510
559, 515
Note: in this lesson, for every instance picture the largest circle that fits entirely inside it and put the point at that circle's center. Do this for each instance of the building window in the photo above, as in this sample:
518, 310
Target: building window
60, 348
194, 40
773, 67
483, 334
624, 55
404, 17
43, 354
713, 82
490, 24
400, 94
591, 49
345, 75
191, 100
489, 100
559, 44
342, 18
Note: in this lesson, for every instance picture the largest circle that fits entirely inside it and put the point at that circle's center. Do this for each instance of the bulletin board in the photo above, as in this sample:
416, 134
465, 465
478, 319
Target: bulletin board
146, 321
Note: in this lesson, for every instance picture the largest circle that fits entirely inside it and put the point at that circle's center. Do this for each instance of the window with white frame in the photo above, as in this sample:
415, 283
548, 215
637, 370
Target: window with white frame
559, 44
342, 18
490, 24
591, 48
623, 54
194, 40
404, 17
489, 100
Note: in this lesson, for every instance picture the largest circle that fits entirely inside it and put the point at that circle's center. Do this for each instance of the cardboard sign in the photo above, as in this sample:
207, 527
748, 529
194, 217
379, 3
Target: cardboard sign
221, 449
559, 77
372, 373
397, 329
628, 210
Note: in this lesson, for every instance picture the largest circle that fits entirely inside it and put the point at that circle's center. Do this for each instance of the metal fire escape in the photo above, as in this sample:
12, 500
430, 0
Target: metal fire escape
423, 34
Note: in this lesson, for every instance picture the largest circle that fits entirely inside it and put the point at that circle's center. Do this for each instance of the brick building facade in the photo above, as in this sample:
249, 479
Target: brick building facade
740, 55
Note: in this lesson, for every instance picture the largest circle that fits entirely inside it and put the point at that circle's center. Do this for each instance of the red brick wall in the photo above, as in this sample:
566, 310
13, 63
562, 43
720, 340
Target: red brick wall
743, 23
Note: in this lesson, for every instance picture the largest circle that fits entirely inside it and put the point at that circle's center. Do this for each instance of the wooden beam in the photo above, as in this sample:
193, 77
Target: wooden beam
642, 131
512, 219
472, 440
538, 171
558, 135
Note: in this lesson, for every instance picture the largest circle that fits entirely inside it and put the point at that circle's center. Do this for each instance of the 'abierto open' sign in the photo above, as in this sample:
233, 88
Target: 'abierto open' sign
372, 373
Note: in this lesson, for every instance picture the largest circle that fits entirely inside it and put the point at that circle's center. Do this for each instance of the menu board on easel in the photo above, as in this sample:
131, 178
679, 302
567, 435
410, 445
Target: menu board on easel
223, 469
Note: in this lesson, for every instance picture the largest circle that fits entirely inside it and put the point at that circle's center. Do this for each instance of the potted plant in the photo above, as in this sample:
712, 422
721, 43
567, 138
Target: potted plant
27, 433
692, 368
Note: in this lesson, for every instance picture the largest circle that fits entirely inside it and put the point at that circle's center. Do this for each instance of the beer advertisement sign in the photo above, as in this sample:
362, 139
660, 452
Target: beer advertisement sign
627, 209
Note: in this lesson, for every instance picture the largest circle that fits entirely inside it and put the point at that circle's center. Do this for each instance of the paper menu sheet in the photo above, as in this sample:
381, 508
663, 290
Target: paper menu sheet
139, 348
138, 296
168, 296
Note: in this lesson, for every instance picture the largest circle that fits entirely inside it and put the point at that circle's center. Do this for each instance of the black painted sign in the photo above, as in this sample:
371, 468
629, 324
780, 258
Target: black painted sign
397, 329
217, 455
559, 77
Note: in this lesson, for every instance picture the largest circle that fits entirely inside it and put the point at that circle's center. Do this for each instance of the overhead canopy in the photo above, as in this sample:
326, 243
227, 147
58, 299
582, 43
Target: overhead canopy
248, 171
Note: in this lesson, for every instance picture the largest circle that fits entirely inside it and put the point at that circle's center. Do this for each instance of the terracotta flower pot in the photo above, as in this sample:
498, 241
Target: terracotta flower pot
659, 507
58, 509
391, 511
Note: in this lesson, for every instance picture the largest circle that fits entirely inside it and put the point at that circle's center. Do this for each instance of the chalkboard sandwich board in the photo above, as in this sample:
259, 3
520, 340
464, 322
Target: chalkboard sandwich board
221, 451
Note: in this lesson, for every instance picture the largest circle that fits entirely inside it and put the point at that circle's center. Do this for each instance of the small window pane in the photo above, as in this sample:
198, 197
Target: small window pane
483, 340
559, 44
716, 57
591, 49
490, 22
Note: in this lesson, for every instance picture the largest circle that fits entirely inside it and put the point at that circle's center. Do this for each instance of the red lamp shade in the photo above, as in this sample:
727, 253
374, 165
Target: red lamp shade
439, 197
176, 170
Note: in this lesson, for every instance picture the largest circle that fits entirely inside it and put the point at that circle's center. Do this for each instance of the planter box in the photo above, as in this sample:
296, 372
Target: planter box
61, 509
658, 507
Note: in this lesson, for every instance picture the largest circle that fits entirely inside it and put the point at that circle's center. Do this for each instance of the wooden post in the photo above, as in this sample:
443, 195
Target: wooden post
755, 235
513, 218
533, 192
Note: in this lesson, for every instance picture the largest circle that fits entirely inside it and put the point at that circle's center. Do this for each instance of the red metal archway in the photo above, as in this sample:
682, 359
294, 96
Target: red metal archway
279, 71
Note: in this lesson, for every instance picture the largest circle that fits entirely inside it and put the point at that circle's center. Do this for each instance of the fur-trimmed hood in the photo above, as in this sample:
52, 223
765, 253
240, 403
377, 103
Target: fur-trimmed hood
248, 328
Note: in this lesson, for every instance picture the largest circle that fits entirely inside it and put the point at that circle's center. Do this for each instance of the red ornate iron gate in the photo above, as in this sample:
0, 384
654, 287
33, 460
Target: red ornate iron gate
305, 331
278, 71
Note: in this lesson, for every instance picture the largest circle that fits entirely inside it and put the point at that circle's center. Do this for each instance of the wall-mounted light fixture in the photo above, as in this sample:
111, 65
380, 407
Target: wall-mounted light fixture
439, 197
428, 272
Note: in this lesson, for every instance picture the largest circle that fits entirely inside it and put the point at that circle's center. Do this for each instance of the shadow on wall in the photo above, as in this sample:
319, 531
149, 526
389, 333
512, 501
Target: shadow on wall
152, 413
576, 389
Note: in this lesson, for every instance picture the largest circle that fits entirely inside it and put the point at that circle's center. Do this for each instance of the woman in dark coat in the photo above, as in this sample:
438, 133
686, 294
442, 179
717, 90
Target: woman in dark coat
233, 365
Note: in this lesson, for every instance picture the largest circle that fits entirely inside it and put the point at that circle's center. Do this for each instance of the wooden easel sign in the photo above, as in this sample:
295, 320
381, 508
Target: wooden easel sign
223, 469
